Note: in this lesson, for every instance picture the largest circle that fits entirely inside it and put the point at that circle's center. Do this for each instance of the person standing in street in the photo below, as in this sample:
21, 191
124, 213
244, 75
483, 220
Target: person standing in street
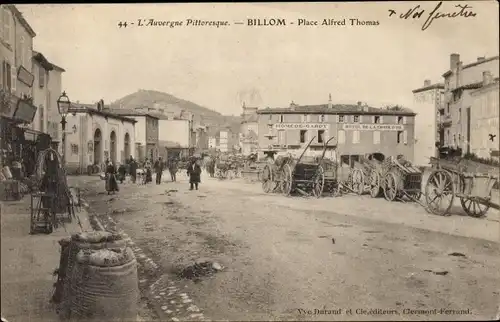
158, 170
172, 168
111, 183
132, 166
194, 173
147, 167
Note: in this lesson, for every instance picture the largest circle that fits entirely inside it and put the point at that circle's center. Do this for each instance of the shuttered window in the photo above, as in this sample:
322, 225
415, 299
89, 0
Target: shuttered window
13, 75
376, 137
341, 139
355, 137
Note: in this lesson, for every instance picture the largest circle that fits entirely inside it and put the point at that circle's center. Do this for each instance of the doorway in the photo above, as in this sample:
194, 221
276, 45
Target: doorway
126, 146
97, 147
112, 147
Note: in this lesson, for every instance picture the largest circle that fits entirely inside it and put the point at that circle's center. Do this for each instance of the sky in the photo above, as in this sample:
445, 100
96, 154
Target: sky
219, 68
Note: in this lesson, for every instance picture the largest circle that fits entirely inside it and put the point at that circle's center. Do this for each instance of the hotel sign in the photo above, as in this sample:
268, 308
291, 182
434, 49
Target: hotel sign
373, 127
301, 126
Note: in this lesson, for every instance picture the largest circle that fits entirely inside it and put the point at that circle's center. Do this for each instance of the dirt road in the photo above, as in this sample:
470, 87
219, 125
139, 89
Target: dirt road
349, 258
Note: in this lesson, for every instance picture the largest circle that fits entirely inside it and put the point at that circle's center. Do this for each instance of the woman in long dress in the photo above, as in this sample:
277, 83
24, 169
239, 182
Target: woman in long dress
149, 173
111, 183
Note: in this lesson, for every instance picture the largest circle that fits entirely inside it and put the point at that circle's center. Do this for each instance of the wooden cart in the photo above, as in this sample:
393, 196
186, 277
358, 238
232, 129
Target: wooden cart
401, 180
366, 176
468, 180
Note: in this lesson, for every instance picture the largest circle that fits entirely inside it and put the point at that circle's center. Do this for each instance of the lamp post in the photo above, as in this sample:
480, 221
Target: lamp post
63, 105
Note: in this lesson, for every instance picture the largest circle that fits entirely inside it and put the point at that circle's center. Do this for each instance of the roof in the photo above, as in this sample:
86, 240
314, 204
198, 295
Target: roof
169, 144
58, 68
427, 88
21, 19
336, 109
475, 85
42, 60
90, 109
473, 64
495, 82
127, 112
249, 118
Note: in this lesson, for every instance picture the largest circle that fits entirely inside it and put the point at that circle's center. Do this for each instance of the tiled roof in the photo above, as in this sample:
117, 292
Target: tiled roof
21, 19
469, 86
447, 73
127, 112
42, 60
426, 88
90, 108
336, 109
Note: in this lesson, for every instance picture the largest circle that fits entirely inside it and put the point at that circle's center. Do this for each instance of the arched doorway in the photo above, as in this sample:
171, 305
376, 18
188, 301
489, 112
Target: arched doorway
112, 147
126, 146
97, 147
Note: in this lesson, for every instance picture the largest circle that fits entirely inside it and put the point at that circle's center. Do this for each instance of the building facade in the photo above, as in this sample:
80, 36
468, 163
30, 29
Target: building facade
356, 130
485, 116
459, 82
248, 138
54, 91
146, 132
94, 136
428, 101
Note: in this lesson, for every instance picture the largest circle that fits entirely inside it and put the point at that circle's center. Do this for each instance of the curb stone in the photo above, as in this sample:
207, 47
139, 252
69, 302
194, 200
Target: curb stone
166, 297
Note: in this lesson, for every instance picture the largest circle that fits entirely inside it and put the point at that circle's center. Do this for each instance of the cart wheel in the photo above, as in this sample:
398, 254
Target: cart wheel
473, 208
374, 184
439, 192
267, 179
319, 182
390, 186
286, 177
358, 181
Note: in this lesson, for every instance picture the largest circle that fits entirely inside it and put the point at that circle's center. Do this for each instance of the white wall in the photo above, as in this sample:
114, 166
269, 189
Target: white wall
426, 106
140, 129
174, 130
484, 121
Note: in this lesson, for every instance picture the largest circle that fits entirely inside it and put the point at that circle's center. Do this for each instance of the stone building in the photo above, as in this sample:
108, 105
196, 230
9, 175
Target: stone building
94, 135
356, 130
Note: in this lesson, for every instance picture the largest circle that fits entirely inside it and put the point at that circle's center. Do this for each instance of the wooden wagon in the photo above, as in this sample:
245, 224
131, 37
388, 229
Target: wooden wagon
471, 181
401, 180
366, 176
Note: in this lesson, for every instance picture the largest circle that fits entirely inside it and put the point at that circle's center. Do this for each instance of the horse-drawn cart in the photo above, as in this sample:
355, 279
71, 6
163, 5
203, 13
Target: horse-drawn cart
468, 180
366, 176
401, 179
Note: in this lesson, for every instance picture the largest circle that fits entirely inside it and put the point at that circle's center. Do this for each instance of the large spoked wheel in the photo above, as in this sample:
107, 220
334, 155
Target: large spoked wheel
319, 182
390, 186
473, 208
358, 181
439, 192
267, 179
286, 177
374, 184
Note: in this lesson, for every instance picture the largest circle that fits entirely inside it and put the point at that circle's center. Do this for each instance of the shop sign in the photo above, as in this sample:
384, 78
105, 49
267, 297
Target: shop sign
25, 76
25, 111
373, 127
301, 126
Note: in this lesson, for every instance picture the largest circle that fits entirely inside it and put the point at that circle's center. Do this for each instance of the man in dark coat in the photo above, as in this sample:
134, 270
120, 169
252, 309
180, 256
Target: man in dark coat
158, 170
172, 168
194, 173
132, 166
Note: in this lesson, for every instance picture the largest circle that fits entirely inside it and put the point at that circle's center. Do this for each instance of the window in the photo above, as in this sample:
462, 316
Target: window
303, 134
356, 119
376, 119
6, 76
459, 115
321, 136
400, 120
270, 117
13, 74
376, 137
400, 137
305, 118
355, 137
344, 160
74, 149
282, 118
404, 119
41, 77
405, 137
341, 118
282, 137
321, 118
41, 118
341, 139
6, 26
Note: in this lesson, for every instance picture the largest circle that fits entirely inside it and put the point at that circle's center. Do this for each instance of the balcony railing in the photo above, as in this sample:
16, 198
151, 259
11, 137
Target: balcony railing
445, 120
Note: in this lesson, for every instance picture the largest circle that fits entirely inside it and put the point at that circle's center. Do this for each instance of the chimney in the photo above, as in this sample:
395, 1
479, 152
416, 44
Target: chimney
427, 82
293, 106
454, 59
365, 107
481, 58
330, 101
487, 77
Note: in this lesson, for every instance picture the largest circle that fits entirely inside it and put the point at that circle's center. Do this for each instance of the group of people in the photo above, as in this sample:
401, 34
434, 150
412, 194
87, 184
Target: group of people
113, 175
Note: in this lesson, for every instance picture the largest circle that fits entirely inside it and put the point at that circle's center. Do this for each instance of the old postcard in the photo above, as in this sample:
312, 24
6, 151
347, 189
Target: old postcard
250, 161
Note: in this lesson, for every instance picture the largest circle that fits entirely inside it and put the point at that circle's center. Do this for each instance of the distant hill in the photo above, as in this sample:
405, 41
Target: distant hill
170, 103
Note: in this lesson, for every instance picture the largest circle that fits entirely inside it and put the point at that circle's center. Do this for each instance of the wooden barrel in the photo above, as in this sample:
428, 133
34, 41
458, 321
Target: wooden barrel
105, 286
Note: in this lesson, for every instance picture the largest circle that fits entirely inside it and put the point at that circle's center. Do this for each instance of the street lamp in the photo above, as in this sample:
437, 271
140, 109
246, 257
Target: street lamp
63, 105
